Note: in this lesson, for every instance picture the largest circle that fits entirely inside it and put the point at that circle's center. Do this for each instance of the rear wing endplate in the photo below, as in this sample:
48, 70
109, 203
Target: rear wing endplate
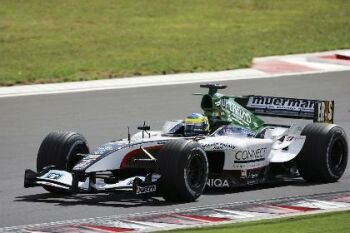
316, 110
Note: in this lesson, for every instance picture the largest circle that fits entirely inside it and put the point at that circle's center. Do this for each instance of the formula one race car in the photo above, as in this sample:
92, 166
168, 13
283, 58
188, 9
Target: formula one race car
227, 146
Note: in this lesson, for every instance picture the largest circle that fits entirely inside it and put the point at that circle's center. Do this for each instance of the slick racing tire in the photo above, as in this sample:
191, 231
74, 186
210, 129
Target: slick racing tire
60, 149
325, 153
183, 166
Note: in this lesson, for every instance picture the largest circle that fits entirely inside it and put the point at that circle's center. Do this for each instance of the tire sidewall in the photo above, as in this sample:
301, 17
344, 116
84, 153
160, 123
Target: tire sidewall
314, 162
59, 148
334, 135
71, 153
200, 153
174, 159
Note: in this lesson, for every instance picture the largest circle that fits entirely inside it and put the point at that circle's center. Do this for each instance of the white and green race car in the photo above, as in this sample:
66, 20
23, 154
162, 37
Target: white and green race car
227, 146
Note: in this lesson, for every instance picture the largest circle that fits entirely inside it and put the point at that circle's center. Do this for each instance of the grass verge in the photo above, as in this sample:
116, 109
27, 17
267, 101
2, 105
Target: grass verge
336, 222
62, 40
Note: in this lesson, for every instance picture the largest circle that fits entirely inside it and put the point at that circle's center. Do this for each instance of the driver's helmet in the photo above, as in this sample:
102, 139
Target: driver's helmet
196, 124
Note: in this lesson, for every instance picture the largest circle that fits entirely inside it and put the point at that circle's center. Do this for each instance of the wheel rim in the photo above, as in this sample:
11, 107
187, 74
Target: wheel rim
196, 170
337, 156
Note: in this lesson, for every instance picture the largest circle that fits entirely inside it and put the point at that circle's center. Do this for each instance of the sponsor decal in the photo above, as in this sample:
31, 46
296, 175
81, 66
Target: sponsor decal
106, 148
250, 155
93, 156
217, 183
131, 181
218, 146
281, 103
54, 176
243, 116
146, 189
83, 164
251, 176
325, 112
86, 161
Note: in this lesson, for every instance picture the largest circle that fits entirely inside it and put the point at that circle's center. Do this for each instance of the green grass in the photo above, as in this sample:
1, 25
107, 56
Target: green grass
64, 40
338, 222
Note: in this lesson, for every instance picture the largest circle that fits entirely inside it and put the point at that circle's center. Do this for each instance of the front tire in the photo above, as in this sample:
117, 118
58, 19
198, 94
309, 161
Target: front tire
324, 156
60, 149
183, 166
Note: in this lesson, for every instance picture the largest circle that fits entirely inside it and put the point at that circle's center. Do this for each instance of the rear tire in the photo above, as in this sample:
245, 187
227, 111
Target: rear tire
183, 166
60, 149
324, 156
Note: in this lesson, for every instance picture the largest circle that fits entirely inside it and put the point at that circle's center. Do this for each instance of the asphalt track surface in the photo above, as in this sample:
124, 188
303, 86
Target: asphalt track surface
104, 115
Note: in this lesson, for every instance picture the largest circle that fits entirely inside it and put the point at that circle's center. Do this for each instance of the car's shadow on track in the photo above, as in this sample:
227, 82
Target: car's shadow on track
120, 199
128, 200
292, 182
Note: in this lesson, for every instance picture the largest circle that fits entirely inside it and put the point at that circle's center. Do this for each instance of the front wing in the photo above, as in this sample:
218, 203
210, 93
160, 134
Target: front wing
72, 183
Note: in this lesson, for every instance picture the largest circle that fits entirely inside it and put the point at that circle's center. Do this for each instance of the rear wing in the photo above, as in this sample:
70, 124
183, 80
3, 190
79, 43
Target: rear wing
316, 110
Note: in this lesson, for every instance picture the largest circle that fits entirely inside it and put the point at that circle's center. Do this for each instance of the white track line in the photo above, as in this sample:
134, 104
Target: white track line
174, 79
149, 81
